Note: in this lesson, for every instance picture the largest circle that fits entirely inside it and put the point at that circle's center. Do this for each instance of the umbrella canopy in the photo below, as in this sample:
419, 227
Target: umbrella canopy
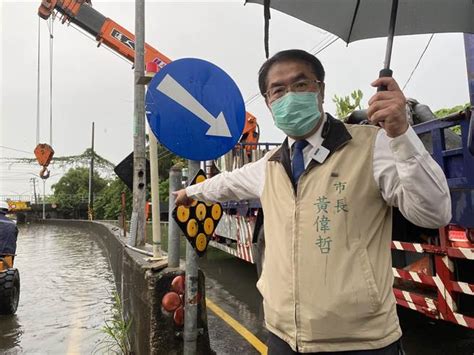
352, 20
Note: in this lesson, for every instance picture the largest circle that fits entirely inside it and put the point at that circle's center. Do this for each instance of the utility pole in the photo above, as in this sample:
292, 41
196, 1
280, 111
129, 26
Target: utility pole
90, 205
137, 230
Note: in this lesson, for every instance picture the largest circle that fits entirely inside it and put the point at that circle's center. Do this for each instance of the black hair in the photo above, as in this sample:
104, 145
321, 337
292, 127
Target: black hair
285, 56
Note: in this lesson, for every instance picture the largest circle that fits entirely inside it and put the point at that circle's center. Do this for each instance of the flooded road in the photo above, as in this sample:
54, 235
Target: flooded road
66, 294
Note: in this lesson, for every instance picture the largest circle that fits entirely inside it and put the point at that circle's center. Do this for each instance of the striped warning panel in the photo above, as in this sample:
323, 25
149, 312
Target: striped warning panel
413, 276
461, 253
414, 247
463, 320
463, 287
416, 302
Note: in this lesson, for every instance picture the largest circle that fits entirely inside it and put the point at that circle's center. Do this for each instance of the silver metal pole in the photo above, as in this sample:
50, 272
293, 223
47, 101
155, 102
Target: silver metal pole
191, 304
34, 190
90, 209
44, 198
139, 159
155, 195
173, 229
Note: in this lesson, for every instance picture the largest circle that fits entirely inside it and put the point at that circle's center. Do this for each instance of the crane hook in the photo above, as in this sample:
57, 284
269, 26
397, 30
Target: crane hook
44, 173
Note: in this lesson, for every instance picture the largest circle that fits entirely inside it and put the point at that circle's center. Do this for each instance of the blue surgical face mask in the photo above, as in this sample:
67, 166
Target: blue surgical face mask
296, 113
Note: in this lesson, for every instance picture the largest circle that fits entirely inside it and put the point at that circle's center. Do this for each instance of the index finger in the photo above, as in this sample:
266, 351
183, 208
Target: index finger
389, 82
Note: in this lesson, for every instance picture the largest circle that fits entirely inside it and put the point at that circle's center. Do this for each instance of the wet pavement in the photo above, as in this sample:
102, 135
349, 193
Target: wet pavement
67, 295
232, 283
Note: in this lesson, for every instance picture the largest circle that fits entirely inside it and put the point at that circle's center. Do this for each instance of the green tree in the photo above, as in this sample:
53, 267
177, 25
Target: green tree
71, 191
345, 105
108, 204
443, 112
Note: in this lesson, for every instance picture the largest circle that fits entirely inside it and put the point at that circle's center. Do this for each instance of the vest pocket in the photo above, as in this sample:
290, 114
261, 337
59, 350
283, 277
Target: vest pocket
368, 274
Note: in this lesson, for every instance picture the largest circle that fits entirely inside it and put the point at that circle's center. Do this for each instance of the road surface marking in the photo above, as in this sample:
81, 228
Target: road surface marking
239, 328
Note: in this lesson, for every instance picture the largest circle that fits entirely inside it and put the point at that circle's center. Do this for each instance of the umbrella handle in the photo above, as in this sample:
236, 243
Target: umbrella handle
384, 73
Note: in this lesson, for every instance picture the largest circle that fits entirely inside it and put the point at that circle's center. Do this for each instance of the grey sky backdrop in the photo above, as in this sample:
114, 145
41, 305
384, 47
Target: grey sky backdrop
92, 84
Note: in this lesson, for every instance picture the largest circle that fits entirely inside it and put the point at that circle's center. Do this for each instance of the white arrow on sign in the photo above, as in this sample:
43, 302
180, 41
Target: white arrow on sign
172, 89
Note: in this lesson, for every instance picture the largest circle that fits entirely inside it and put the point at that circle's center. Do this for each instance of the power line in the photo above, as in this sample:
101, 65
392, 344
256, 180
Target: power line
418, 63
319, 43
165, 155
326, 46
322, 47
16, 150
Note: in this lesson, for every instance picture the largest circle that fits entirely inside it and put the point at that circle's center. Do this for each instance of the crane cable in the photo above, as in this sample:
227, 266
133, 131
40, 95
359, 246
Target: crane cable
51, 38
38, 85
318, 48
44, 152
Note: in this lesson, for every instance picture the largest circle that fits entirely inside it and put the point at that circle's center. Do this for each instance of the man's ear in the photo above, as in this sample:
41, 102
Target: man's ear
323, 87
266, 103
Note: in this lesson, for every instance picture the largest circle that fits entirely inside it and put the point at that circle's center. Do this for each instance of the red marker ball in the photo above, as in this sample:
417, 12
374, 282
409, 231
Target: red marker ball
177, 285
171, 301
179, 316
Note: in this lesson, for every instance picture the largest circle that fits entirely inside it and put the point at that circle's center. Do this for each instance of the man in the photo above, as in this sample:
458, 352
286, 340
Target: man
327, 194
8, 231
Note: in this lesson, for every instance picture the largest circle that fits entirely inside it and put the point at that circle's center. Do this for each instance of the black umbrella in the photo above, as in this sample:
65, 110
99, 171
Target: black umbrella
352, 20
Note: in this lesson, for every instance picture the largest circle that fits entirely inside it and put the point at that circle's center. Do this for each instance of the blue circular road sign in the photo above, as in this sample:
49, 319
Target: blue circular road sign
195, 109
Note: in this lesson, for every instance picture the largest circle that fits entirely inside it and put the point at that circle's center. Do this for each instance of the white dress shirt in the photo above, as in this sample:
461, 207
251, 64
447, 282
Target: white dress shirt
407, 176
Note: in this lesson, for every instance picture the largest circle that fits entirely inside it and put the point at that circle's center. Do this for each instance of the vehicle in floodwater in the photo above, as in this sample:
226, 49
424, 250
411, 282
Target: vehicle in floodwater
9, 276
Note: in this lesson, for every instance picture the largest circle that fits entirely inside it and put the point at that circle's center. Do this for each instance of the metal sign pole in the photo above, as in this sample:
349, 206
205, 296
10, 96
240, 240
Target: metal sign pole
191, 301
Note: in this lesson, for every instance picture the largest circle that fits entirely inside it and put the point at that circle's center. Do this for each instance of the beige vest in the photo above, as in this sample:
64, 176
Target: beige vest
327, 276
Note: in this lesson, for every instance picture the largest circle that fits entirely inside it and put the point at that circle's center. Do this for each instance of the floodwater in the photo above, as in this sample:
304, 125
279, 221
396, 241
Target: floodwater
66, 294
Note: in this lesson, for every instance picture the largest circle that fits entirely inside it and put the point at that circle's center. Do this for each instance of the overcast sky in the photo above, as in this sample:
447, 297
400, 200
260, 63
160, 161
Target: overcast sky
93, 84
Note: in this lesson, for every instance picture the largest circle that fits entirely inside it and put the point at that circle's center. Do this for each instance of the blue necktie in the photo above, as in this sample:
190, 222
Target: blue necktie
297, 161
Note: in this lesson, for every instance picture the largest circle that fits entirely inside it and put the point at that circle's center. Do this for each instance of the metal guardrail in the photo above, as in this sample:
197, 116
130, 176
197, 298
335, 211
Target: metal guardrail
25, 198
39, 198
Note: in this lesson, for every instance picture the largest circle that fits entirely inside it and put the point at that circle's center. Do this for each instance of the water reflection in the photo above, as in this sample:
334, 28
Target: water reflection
66, 293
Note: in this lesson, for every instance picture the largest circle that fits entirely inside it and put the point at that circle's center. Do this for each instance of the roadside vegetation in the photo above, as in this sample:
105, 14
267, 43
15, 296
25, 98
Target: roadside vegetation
116, 331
